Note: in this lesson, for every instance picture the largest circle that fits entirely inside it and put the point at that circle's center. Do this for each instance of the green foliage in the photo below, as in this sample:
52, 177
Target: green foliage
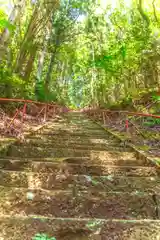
156, 97
39, 91
4, 23
11, 84
42, 236
106, 58
152, 122
40, 94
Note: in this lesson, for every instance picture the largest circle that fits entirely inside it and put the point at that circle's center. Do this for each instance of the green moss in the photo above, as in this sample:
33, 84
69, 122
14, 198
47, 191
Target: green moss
144, 147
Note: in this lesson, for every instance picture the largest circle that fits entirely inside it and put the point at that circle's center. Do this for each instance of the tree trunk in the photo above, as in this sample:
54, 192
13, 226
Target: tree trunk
15, 14
40, 63
14, 17
49, 72
29, 65
37, 29
143, 15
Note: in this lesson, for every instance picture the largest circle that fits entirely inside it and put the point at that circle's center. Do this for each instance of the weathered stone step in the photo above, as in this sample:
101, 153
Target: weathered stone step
77, 115
64, 144
73, 131
75, 126
64, 126
26, 227
66, 133
66, 152
80, 125
73, 168
64, 180
80, 122
77, 145
79, 119
74, 139
79, 139
123, 161
77, 204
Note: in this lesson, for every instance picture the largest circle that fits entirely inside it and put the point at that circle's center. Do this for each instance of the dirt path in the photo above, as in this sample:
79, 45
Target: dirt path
73, 181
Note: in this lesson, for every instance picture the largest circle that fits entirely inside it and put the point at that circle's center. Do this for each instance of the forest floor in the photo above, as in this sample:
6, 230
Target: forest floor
10, 130
146, 138
143, 132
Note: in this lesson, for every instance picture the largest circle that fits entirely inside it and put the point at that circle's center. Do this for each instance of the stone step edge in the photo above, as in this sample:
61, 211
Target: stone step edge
74, 149
109, 148
78, 175
133, 193
79, 144
46, 159
76, 164
40, 217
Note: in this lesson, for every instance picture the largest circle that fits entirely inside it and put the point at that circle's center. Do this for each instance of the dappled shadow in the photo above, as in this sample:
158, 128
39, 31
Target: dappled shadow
66, 140
110, 152
78, 230
80, 177
83, 178
73, 204
130, 231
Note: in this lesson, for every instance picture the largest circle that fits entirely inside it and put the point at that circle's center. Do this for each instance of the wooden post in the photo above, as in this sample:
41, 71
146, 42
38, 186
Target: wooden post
53, 111
45, 113
104, 120
127, 124
24, 112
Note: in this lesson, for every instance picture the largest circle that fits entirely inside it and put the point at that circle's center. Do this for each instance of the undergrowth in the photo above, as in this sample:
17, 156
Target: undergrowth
42, 236
152, 122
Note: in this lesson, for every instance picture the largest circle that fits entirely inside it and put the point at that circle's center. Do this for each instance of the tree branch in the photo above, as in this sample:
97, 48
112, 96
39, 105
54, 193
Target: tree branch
154, 12
141, 11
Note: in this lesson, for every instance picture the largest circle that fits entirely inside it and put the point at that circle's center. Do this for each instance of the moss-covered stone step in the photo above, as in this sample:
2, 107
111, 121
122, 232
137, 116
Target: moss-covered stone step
80, 122
84, 127
76, 129
102, 134
18, 228
90, 126
74, 141
77, 204
64, 180
78, 139
63, 144
73, 126
32, 151
121, 161
73, 168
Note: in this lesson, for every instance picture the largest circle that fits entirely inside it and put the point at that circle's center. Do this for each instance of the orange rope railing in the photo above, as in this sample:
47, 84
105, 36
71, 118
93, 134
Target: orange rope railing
103, 113
45, 109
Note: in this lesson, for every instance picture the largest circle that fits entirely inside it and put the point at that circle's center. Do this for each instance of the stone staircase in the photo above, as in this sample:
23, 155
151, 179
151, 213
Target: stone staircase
72, 180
